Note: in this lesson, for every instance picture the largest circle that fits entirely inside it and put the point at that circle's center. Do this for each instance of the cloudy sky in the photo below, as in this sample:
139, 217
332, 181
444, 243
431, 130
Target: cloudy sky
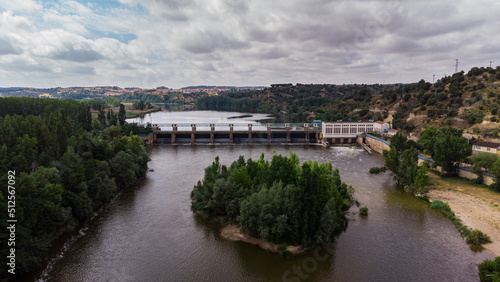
176, 43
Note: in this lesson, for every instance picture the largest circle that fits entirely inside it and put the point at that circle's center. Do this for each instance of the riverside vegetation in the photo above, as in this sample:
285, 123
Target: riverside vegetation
280, 201
489, 270
64, 171
448, 149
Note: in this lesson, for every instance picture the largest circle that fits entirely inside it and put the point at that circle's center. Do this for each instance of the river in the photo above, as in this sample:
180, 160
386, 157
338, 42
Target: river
148, 233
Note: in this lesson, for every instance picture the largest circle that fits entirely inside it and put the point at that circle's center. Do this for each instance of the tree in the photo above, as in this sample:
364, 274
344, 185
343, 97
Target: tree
409, 166
482, 161
304, 205
122, 115
427, 140
403, 164
451, 149
101, 116
399, 141
392, 161
62, 170
421, 179
495, 170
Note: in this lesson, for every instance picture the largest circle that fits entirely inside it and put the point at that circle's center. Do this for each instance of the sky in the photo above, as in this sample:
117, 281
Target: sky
176, 43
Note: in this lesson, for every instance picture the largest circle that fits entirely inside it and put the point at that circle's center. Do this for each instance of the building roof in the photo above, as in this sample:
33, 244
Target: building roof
379, 122
487, 144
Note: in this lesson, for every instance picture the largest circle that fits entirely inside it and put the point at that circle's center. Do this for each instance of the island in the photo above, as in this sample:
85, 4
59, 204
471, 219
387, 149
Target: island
275, 204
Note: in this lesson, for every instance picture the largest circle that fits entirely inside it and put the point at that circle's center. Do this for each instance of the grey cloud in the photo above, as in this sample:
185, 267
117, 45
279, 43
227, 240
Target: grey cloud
261, 41
207, 42
170, 9
22, 65
76, 55
400, 45
272, 54
83, 70
236, 6
6, 47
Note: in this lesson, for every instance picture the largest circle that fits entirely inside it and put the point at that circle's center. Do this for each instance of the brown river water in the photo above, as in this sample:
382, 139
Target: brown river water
148, 233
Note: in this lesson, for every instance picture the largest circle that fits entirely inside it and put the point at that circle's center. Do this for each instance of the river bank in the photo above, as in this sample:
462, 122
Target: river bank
233, 233
477, 207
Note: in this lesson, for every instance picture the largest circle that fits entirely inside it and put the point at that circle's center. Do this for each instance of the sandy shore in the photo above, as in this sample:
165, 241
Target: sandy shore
232, 232
478, 208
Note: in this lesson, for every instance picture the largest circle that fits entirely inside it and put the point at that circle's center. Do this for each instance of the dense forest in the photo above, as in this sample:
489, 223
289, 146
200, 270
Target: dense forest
61, 171
281, 201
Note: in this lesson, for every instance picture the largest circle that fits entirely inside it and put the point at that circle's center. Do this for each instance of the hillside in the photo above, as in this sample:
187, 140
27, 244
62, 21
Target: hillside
468, 101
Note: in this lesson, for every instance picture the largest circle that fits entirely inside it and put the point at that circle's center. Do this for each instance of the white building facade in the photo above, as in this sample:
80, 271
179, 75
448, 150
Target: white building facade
486, 147
380, 126
345, 129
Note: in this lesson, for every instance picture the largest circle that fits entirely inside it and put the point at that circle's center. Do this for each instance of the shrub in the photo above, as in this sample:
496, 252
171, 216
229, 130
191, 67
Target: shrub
493, 119
423, 198
363, 210
377, 170
287, 254
489, 270
477, 238
439, 205
441, 97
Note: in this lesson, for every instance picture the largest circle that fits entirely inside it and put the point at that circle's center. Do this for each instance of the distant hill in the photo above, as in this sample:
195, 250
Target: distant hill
205, 87
469, 101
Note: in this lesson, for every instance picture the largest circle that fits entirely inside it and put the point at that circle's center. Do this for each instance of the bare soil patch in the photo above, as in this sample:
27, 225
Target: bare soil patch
232, 232
477, 207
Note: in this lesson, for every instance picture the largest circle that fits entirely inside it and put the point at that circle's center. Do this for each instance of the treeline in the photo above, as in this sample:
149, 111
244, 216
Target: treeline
228, 103
446, 147
281, 201
63, 172
300, 102
145, 97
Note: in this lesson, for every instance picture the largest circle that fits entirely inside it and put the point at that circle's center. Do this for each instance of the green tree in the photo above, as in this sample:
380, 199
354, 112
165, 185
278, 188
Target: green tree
451, 149
122, 115
482, 161
293, 213
402, 164
101, 115
427, 140
421, 179
399, 141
